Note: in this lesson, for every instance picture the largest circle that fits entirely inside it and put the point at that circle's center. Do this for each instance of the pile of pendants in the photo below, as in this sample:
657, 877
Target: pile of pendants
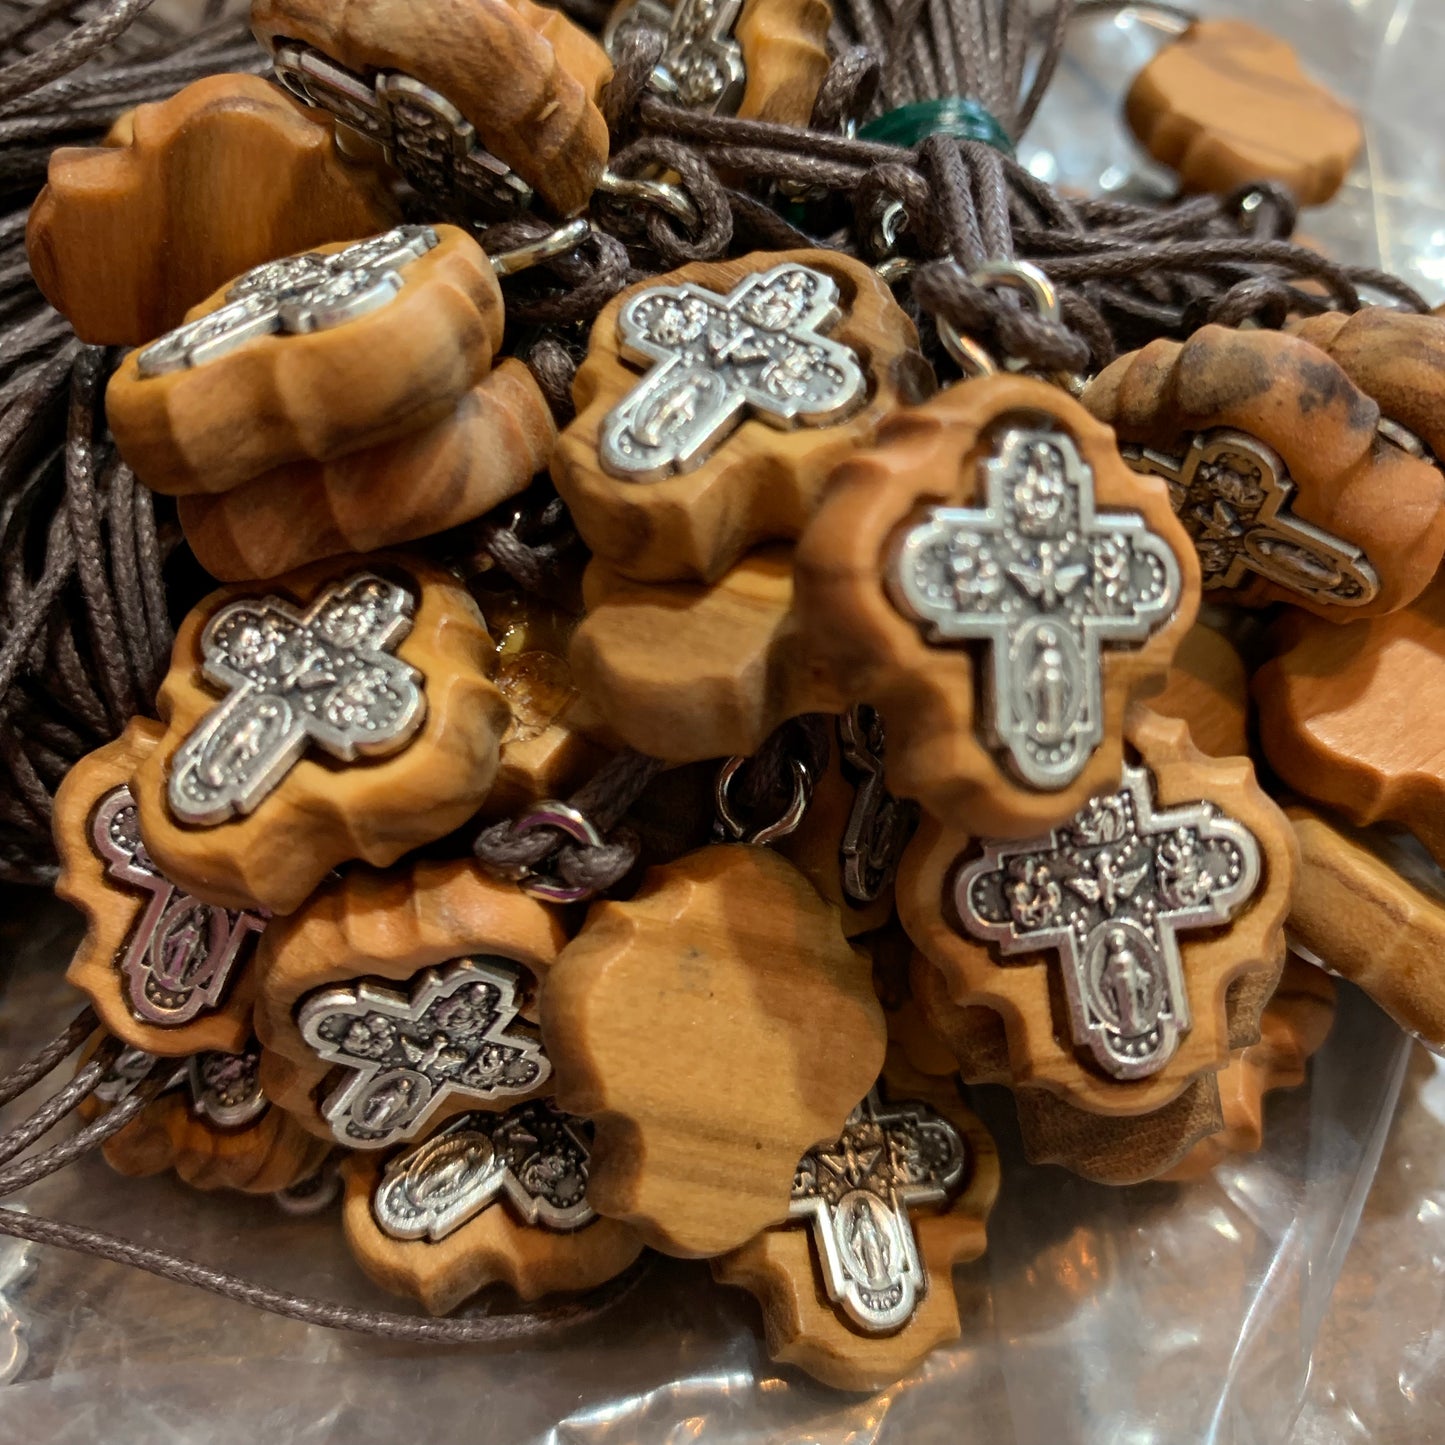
1064, 875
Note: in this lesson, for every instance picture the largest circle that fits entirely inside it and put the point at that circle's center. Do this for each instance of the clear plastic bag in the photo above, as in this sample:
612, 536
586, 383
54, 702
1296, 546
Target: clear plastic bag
1233, 1310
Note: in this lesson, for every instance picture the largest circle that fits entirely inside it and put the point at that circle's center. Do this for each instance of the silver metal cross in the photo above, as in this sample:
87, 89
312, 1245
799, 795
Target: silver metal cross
181, 955
757, 351
534, 1156
702, 65
297, 294
1233, 495
224, 1089
857, 1192
1109, 892
405, 1053
422, 133
1046, 582
325, 676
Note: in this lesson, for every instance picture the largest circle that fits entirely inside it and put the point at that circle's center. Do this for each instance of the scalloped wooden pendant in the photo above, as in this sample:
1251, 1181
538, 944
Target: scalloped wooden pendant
686, 1024
995, 580
715, 400
435, 962
857, 1287
1228, 103
1207, 687
1109, 946
519, 78
497, 439
183, 195
487, 1199
1371, 909
213, 1126
1346, 714
686, 671
166, 972
344, 713
1280, 469
1292, 1027
310, 358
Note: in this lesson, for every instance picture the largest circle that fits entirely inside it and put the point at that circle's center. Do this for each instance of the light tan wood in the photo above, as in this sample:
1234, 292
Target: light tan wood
1207, 687
185, 194
1100, 1147
1292, 396
113, 910
1347, 715
1292, 1028
1396, 357
269, 1154
318, 395
497, 439
713, 1027
493, 1247
1024, 989
686, 671
762, 482
552, 743
927, 694
1228, 103
322, 814
804, 1327
785, 55
388, 925
524, 75
1376, 919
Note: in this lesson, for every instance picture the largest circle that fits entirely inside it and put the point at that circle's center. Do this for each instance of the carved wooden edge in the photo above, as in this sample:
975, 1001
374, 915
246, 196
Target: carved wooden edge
1210, 154
112, 910
643, 1125
1371, 923
104, 248
857, 636
493, 1247
1395, 357
1302, 403
686, 670
804, 1327
387, 925
1207, 688
785, 55
1294, 1024
496, 439
524, 75
762, 483
1040, 1051
287, 398
319, 816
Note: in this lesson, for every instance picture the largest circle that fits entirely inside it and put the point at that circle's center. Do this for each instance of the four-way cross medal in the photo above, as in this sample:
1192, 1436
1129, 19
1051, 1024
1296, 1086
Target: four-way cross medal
533, 1155
324, 676
1046, 582
182, 953
858, 1191
702, 64
405, 1054
1109, 892
1233, 495
757, 351
297, 294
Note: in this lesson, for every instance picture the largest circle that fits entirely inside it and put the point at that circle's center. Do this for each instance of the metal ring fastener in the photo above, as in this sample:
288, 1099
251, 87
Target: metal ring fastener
1020, 276
544, 248
577, 826
734, 829
666, 197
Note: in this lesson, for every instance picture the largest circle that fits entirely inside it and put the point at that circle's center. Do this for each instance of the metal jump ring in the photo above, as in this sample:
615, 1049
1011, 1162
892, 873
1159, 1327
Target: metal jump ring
733, 826
544, 248
577, 826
